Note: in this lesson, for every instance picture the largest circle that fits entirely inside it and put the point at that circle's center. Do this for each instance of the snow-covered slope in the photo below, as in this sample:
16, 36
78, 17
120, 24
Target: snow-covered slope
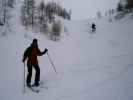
91, 66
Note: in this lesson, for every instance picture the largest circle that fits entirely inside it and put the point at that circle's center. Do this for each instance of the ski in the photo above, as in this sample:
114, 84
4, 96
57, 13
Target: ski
37, 89
34, 90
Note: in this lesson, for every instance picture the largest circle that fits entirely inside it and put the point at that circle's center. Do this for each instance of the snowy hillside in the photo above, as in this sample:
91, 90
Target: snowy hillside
91, 66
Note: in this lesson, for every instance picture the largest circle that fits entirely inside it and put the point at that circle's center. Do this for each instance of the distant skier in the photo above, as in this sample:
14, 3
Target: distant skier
31, 54
93, 26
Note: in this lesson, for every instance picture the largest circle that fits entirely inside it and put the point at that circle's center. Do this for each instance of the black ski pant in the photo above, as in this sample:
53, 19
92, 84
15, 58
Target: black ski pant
93, 29
37, 73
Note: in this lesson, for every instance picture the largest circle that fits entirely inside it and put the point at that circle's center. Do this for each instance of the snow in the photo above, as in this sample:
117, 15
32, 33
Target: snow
91, 66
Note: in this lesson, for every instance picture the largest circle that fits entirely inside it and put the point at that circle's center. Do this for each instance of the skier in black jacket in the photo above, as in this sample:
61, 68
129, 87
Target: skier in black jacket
93, 27
31, 54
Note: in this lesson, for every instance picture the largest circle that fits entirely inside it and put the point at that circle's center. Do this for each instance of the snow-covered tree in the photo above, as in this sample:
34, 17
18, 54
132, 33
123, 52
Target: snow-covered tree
119, 7
5, 7
11, 3
125, 5
42, 17
129, 4
42, 13
28, 10
99, 15
56, 30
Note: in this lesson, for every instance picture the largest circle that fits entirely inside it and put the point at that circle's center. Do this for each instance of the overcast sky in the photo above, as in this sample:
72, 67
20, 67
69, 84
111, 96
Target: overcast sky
82, 9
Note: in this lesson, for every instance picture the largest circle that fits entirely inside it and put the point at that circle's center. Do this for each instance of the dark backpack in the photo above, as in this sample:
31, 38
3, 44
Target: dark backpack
27, 52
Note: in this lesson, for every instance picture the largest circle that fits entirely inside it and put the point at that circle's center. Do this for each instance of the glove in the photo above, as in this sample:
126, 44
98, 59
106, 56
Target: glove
46, 50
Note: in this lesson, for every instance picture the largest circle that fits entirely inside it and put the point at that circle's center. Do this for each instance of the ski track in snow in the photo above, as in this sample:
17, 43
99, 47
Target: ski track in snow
91, 66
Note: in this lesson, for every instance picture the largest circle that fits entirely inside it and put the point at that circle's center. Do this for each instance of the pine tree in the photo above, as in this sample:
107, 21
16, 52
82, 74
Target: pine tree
11, 3
129, 4
24, 13
42, 17
42, 13
4, 11
49, 12
56, 30
99, 15
119, 7
31, 10
28, 10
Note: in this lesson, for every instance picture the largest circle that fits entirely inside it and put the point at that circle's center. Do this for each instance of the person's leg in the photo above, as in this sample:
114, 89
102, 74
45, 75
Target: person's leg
92, 30
29, 75
37, 75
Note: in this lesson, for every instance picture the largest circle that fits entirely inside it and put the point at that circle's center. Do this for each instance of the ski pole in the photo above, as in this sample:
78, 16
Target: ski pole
52, 63
24, 79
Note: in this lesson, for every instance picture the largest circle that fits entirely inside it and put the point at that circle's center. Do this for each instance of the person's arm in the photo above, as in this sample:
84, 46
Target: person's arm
42, 53
25, 55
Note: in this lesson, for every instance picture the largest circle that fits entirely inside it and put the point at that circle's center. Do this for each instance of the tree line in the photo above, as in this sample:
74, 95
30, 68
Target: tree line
125, 5
5, 7
41, 14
